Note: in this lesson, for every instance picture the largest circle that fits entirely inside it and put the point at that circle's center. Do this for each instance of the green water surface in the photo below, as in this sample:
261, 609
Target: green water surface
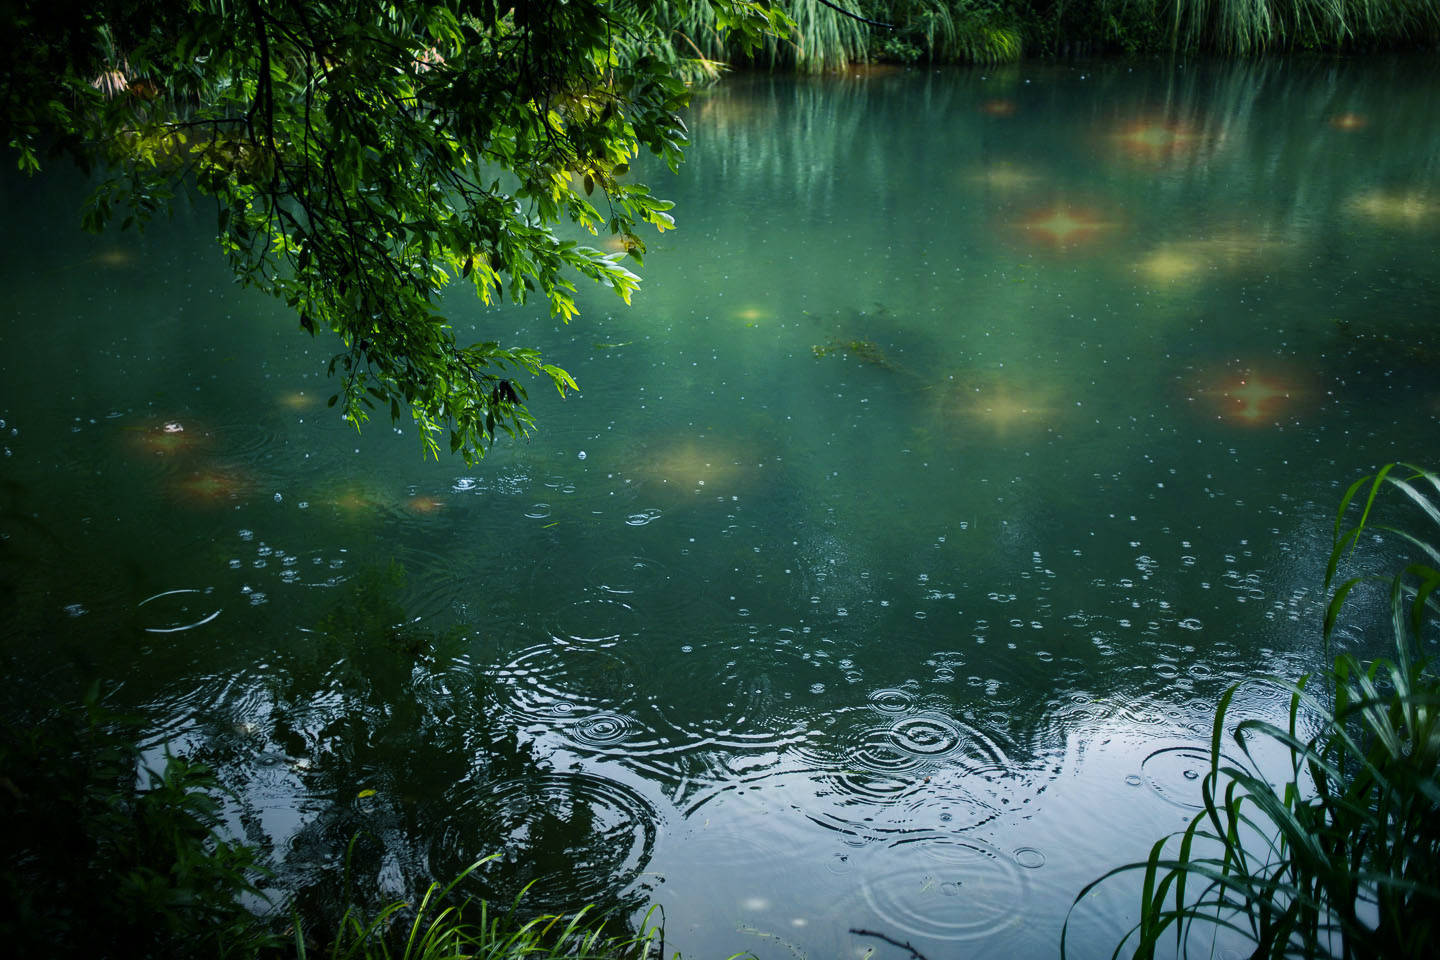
974, 431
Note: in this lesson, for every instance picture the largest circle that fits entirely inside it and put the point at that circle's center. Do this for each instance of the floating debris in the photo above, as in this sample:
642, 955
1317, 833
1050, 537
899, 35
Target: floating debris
866, 351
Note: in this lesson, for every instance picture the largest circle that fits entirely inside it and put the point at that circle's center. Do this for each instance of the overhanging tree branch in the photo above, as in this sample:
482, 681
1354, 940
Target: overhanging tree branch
357, 155
855, 16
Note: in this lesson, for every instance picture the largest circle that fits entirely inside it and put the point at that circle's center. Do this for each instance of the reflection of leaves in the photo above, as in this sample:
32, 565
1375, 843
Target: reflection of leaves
549, 833
67, 615
92, 859
578, 838
1380, 346
367, 639
399, 741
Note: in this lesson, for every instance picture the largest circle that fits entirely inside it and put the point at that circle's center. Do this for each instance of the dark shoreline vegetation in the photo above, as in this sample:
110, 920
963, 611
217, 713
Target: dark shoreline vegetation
1003, 31
1334, 852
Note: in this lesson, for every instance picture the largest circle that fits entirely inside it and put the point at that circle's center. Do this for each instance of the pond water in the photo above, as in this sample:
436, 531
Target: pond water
974, 431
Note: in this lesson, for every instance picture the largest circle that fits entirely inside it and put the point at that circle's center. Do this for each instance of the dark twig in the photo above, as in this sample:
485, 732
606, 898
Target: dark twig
874, 23
880, 936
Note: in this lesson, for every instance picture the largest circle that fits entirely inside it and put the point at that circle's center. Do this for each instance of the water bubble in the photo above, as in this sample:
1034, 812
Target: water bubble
175, 611
602, 729
1173, 772
902, 880
1029, 858
928, 735
887, 700
483, 815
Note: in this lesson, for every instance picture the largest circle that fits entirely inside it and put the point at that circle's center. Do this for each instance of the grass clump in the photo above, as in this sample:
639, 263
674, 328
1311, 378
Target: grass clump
1338, 856
437, 929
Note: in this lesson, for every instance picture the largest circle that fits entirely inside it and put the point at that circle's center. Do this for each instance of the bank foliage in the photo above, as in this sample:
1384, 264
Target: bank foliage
999, 31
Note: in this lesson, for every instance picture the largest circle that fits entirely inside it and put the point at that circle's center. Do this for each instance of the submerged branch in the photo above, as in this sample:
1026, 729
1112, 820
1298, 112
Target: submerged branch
890, 940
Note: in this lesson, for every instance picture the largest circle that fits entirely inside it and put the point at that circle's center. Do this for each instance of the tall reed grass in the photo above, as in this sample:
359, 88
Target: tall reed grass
1244, 27
817, 39
821, 38
1336, 853
997, 31
949, 31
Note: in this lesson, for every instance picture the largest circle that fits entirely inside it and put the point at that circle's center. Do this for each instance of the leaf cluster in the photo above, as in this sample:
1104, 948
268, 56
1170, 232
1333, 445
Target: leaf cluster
442, 925
365, 157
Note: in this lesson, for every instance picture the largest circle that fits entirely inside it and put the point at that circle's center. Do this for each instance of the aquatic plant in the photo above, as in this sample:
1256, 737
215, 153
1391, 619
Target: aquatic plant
1340, 854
